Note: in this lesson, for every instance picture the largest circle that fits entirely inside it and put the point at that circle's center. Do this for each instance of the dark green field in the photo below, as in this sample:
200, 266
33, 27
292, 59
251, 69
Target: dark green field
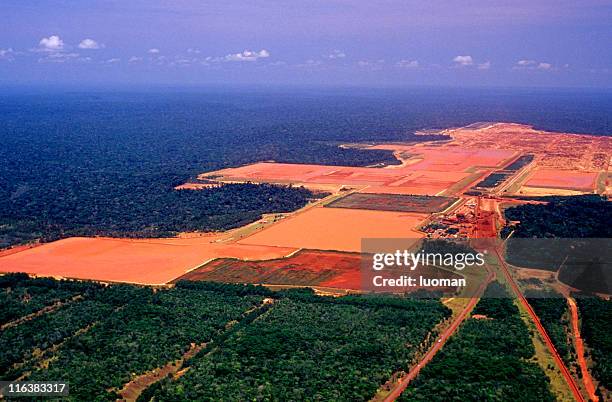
393, 202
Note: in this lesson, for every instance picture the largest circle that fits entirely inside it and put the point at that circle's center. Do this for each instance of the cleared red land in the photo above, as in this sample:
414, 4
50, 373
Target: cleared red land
420, 183
403, 180
150, 261
564, 179
554, 150
17, 249
429, 171
450, 159
337, 229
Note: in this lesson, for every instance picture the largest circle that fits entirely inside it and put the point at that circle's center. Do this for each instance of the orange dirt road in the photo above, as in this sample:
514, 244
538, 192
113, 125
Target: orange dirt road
414, 372
141, 261
586, 376
534, 317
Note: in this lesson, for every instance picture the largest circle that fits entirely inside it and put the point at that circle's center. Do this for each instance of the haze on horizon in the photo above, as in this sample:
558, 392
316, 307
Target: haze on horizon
549, 43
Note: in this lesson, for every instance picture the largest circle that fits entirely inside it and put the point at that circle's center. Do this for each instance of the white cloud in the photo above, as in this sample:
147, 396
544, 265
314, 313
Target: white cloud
51, 44
134, 59
468, 61
532, 65
112, 61
247, 55
90, 44
153, 51
526, 63
7, 54
58, 57
544, 66
193, 51
407, 63
336, 54
464, 60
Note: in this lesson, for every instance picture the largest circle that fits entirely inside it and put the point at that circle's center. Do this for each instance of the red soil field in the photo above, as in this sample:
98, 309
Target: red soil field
450, 159
433, 169
17, 249
554, 150
150, 261
403, 180
393, 202
337, 229
419, 183
564, 179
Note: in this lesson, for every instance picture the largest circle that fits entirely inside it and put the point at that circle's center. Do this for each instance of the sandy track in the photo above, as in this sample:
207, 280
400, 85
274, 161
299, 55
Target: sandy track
586, 375
45, 310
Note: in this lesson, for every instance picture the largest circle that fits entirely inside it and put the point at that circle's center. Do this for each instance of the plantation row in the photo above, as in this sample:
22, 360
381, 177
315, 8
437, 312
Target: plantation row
21, 296
486, 360
96, 343
257, 343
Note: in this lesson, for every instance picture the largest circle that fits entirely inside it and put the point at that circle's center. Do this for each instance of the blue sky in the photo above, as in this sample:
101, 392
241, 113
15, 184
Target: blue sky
558, 43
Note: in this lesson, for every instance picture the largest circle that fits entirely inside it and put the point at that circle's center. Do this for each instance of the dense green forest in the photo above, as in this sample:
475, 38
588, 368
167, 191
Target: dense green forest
581, 216
169, 212
596, 330
485, 360
78, 164
300, 346
551, 307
